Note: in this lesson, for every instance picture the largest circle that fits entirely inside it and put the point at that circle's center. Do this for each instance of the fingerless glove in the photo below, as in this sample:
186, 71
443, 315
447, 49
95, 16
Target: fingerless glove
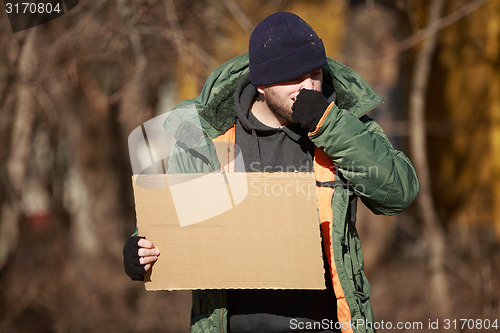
308, 108
131, 263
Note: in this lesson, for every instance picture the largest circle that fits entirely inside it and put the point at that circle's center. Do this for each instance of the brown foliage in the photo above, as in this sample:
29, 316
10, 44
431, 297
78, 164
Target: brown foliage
73, 89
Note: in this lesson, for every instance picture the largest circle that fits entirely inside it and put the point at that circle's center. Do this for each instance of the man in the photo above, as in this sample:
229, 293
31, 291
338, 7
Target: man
290, 108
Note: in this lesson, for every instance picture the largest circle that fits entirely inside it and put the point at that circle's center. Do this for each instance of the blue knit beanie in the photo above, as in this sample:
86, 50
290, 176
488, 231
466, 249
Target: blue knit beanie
283, 47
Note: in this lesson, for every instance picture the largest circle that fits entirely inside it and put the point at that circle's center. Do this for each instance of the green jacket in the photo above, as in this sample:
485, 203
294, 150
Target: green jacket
381, 176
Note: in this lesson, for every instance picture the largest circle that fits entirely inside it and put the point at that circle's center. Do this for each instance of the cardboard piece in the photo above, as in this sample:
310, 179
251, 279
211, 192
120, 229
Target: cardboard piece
231, 230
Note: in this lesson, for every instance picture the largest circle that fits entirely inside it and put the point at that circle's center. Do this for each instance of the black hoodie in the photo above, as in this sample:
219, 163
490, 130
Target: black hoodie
265, 148
269, 149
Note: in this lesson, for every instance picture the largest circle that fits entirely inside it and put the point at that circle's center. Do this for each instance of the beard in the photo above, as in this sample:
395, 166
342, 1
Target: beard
278, 106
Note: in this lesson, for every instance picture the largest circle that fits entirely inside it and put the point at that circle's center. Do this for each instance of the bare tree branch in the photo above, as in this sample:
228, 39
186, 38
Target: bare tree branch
427, 32
177, 35
190, 47
127, 13
10, 77
239, 15
435, 27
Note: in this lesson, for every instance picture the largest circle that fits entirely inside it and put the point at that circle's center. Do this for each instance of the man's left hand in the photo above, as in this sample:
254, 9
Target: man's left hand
308, 108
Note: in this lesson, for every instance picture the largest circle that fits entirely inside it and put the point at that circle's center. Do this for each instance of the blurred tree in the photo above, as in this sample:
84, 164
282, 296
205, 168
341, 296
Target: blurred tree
464, 114
426, 94
83, 81
19, 144
433, 231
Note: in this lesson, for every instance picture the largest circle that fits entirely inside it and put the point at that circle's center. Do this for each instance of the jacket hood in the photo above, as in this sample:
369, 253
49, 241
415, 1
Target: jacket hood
212, 113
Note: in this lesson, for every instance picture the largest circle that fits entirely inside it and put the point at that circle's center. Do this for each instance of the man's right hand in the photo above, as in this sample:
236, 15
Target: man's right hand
138, 256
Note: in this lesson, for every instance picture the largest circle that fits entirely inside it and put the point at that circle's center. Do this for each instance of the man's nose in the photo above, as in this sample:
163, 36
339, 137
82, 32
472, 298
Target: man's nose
307, 83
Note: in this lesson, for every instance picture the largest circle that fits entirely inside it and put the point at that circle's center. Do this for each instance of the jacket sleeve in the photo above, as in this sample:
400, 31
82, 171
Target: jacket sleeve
183, 160
382, 176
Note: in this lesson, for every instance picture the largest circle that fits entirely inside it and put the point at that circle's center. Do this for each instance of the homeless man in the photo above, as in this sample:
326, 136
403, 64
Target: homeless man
288, 107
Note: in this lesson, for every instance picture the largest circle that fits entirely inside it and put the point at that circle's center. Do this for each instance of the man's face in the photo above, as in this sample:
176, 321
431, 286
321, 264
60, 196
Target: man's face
281, 96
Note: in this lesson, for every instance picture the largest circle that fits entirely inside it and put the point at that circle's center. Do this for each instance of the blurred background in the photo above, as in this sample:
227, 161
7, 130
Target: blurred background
73, 89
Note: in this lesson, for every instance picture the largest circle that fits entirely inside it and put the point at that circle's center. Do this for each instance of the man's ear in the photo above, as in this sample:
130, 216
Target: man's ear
260, 89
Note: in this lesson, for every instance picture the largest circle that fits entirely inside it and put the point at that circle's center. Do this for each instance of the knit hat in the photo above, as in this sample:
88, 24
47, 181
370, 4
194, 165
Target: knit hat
283, 47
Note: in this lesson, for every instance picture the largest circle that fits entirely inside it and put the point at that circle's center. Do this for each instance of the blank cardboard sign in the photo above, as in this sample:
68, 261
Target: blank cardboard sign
231, 230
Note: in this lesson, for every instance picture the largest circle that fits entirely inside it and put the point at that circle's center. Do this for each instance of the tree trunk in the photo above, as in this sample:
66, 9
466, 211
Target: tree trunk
433, 232
20, 147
